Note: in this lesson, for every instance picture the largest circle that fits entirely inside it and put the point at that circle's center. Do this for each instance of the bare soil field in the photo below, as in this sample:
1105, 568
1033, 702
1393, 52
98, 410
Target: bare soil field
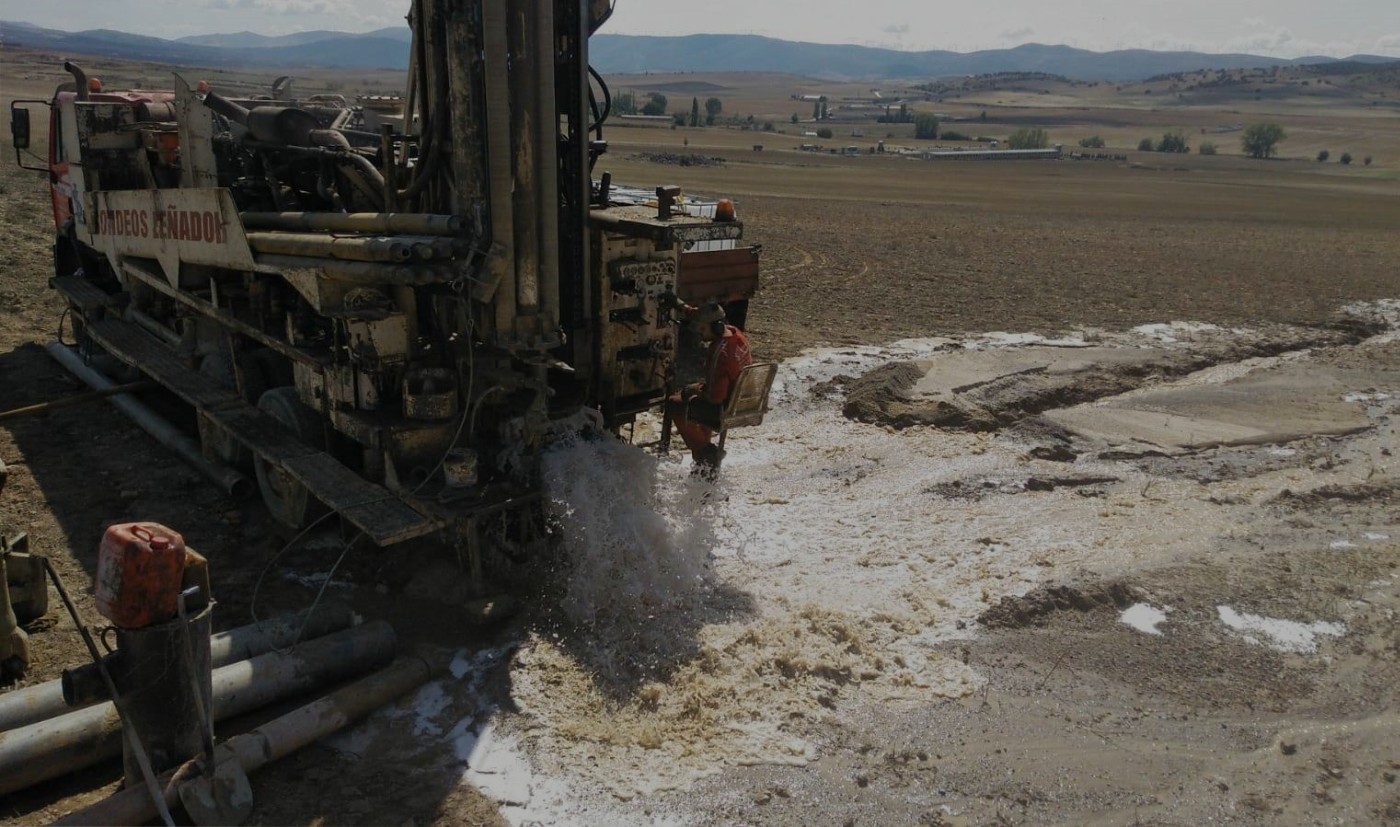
871, 249
899, 625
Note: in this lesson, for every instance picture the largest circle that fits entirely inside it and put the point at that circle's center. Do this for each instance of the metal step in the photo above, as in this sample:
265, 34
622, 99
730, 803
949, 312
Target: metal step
382, 516
82, 293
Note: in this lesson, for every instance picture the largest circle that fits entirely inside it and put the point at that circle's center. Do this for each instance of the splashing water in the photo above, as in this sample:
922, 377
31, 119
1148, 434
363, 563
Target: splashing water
635, 548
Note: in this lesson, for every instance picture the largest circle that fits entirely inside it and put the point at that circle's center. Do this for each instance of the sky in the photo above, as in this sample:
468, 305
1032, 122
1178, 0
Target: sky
1278, 28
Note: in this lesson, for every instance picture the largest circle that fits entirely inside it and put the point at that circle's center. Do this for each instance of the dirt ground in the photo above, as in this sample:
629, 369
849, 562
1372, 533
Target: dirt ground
914, 633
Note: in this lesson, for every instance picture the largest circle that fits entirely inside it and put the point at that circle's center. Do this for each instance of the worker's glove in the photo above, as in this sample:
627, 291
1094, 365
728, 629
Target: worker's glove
668, 301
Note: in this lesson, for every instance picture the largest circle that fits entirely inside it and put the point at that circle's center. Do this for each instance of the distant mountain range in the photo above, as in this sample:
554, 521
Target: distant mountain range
249, 40
386, 48
628, 54
620, 54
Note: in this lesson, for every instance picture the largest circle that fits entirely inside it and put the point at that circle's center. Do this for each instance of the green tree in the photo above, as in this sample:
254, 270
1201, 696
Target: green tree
824, 133
1094, 142
625, 103
656, 105
713, 106
1323, 156
1367, 160
1146, 145
694, 111
1028, 137
926, 127
1345, 159
1173, 142
795, 119
1261, 140
1207, 148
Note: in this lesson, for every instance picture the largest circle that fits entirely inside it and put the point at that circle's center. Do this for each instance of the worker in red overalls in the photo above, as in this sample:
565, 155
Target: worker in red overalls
693, 409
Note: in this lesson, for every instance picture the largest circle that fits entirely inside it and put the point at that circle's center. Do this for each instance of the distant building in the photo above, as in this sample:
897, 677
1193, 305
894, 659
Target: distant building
993, 155
653, 121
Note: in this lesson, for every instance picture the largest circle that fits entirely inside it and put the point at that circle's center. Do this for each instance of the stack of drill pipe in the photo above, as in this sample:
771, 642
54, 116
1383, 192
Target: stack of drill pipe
84, 685
58, 746
371, 223
430, 248
393, 249
277, 738
387, 249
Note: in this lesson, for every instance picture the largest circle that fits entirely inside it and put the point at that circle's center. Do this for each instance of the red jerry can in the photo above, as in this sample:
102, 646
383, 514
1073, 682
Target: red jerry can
140, 567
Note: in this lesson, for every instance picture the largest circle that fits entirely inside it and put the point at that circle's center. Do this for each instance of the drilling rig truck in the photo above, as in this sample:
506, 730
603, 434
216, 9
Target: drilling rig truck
386, 316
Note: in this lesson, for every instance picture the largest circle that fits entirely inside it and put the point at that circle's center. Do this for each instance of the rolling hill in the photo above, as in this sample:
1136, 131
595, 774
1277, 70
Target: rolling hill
629, 54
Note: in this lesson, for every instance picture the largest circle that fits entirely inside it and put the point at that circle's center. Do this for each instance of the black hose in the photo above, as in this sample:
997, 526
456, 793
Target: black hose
427, 150
599, 117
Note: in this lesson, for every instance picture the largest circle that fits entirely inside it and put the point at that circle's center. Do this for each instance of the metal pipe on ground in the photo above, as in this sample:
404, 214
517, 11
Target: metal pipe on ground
49, 749
84, 686
233, 483
373, 248
280, 737
70, 401
373, 222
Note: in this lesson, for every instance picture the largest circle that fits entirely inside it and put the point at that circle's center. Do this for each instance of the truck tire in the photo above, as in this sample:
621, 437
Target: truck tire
289, 502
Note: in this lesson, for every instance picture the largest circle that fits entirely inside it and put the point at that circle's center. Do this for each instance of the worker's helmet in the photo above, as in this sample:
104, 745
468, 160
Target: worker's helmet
708, 316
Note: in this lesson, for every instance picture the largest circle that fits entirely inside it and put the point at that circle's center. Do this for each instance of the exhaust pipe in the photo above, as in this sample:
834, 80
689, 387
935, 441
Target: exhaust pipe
227, 108
80, 78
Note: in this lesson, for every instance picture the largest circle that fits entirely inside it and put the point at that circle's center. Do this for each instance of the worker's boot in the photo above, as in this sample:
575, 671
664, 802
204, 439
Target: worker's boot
707, 462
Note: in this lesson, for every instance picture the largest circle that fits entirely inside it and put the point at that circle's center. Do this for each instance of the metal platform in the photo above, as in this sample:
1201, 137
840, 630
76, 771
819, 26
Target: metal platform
82, 293
383, 517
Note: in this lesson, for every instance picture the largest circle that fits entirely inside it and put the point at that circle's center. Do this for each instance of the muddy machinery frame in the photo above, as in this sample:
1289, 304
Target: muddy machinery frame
386, 317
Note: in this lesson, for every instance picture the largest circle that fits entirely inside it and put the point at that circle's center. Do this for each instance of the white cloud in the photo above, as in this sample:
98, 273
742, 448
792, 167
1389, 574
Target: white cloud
897, 29
1281, 42
1267, 42
334, 14
1018, 34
